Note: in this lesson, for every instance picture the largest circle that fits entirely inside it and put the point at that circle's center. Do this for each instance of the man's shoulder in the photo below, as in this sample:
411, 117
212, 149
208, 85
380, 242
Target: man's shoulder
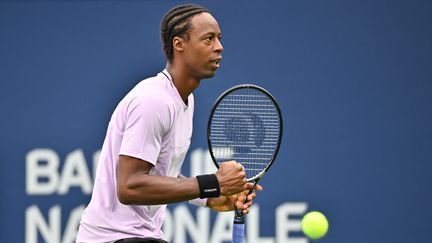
153, 87
152, 93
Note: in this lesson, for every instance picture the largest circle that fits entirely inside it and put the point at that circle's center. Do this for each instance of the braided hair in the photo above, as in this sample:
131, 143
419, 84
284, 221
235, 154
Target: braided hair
177, 23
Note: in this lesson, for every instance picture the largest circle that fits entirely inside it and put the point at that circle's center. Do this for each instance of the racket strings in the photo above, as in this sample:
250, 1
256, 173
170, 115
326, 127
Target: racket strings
245, 127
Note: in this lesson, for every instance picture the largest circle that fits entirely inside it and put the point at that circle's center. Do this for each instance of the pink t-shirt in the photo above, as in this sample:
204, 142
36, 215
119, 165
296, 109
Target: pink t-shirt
151, 123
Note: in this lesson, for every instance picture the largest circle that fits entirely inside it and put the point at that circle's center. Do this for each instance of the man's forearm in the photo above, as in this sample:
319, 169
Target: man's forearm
151, 190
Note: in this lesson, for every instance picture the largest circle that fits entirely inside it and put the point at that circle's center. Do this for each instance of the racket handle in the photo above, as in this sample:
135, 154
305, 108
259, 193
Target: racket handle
239, 221
238, 235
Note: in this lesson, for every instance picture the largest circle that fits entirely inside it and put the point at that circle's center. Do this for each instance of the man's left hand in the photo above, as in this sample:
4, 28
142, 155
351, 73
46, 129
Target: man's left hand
224, 203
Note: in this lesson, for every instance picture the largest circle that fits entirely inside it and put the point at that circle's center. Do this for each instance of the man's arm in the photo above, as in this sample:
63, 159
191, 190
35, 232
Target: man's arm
136, 186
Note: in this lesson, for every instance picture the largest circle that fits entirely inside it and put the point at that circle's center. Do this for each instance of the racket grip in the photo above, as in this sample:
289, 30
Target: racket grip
238, 230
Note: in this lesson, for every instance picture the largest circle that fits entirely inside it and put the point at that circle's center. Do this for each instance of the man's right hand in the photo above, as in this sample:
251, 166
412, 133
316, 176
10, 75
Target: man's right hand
231, 177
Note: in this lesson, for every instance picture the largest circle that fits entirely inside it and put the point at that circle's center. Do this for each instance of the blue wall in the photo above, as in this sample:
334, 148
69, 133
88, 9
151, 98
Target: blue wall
353, 79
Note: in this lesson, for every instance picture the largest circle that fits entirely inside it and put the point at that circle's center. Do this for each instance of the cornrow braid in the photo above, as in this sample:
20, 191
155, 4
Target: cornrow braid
177, 23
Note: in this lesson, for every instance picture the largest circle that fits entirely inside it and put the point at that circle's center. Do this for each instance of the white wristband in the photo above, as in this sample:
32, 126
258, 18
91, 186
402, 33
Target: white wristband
201, 202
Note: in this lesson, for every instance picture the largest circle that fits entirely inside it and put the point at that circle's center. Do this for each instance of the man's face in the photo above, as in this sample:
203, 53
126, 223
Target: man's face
202, 52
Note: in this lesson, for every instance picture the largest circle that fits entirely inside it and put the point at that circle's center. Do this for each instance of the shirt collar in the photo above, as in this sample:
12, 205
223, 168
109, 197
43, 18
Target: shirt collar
168, 76
166, 73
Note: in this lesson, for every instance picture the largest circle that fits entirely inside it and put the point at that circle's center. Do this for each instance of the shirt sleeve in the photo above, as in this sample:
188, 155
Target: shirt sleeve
147, 119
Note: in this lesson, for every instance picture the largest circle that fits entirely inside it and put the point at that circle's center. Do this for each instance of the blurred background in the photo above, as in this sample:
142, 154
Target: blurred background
353, 79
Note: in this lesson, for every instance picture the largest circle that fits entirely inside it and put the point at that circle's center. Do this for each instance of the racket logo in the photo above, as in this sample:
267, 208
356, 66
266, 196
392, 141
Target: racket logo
258, 129
246, 131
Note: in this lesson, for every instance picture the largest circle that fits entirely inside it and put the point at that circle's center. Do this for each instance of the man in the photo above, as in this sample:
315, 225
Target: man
147, 139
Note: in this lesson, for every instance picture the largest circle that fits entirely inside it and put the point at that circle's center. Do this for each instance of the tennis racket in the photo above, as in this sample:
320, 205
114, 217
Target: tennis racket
245, 125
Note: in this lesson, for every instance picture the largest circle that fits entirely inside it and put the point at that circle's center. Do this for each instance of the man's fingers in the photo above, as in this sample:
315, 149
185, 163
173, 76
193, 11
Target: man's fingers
240, 205
240, 166
244, 204
242, 197
240, 200
251, 196
249, 186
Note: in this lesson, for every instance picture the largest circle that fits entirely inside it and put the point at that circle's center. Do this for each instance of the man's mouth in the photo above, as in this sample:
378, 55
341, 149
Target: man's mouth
216, 61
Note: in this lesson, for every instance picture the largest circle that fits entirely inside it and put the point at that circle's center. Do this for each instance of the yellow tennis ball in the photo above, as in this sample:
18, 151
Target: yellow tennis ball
315, 225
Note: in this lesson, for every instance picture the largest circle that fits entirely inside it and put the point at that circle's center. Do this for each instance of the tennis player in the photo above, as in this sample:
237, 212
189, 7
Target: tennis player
147, 139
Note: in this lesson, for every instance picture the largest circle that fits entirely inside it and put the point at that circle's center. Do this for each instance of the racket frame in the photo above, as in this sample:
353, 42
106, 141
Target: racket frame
212, 111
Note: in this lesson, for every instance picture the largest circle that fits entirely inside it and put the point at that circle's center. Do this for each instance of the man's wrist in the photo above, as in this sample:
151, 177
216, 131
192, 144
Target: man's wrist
208, 186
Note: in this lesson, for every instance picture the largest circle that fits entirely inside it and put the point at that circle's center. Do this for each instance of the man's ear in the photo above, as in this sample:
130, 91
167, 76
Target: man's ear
178, 44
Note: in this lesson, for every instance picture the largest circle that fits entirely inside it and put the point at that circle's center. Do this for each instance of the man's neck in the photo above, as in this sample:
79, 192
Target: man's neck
183, 81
